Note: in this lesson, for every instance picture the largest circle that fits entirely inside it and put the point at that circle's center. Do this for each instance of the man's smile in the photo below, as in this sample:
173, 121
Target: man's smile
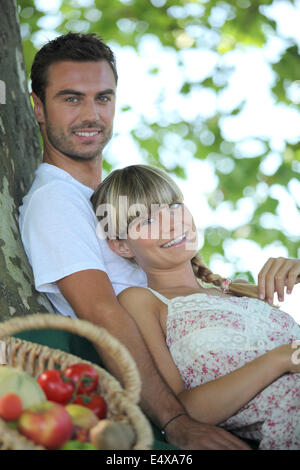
87, 135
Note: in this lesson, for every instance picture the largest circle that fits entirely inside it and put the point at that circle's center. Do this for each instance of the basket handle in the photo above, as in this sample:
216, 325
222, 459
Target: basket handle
96, 334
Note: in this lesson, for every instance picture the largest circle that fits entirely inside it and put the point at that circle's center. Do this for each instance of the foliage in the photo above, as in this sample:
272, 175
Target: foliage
219, 27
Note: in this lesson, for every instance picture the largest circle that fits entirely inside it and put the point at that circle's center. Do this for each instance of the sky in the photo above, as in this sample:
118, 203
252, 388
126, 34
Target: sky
280, 122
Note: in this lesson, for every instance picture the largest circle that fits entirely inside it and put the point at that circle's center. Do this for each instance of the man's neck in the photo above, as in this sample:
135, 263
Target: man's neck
88, 173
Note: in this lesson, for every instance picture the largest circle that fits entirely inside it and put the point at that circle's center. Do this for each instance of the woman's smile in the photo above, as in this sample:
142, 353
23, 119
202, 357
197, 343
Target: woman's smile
175, 242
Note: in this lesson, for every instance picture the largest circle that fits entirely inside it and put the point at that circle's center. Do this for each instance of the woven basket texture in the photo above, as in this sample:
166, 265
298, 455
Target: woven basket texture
122, 401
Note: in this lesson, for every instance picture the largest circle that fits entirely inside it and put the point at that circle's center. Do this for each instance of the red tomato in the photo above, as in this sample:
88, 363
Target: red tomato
84, 376
11, 406
56, 386
94, 402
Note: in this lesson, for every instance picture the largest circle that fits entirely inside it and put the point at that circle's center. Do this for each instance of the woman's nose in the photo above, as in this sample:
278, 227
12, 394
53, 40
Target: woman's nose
172, 222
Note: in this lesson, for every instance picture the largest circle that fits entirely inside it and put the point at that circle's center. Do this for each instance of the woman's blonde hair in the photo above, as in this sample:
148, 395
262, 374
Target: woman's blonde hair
125, 193
145, 186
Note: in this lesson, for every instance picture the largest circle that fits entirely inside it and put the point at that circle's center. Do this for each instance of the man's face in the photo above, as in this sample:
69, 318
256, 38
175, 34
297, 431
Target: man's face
77, 117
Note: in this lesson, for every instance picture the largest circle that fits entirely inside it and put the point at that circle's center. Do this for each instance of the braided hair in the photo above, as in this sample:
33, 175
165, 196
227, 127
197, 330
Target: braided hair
237, 289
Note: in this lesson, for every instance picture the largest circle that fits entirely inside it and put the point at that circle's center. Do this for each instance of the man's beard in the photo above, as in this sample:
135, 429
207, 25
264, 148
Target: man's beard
61, 142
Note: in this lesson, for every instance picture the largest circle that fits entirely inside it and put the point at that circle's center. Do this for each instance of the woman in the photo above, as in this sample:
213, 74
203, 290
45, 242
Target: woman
229, 357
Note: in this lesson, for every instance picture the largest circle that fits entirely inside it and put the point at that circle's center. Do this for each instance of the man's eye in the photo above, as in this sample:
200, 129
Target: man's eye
103, 98
72, 99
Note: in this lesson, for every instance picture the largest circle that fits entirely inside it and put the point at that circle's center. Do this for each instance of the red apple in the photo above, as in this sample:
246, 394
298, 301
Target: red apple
47, 424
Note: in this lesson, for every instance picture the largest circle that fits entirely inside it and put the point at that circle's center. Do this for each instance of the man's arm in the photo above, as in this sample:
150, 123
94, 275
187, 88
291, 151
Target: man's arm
91, 296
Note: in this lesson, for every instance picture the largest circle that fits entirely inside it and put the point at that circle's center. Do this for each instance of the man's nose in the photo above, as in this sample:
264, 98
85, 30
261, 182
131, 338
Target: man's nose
89, 111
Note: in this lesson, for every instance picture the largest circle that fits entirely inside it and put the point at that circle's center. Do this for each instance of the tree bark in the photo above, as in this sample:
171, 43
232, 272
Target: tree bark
20, 155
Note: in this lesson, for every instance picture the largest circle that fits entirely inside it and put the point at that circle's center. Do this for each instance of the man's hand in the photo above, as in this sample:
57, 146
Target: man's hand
187, 434
276, 274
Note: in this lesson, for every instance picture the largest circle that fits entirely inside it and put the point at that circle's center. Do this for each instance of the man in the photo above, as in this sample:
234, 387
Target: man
73, 88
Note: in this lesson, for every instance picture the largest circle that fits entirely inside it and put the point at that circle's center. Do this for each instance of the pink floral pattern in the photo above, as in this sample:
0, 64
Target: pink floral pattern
210, 336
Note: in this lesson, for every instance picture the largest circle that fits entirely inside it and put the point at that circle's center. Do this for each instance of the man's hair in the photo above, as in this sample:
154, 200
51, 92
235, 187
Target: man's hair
76, 47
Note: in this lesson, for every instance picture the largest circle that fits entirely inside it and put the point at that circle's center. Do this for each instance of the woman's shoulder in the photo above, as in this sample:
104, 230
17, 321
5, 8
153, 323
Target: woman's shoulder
137, 294
139, 301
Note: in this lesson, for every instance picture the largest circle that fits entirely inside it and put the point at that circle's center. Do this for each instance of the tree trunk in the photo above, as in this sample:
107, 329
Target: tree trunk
20, 155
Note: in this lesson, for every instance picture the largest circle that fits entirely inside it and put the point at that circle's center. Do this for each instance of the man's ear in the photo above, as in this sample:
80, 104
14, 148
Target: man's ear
39, 111
120, 247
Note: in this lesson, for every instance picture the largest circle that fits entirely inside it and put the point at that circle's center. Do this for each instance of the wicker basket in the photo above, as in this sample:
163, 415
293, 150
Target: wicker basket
34, 359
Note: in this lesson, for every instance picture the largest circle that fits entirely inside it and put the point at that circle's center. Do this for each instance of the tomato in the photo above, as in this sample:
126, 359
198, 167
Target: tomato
56, 386
94, 402
84, 376
11, 406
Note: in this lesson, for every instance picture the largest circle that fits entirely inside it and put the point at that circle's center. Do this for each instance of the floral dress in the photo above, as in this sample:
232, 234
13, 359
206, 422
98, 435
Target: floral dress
210, 336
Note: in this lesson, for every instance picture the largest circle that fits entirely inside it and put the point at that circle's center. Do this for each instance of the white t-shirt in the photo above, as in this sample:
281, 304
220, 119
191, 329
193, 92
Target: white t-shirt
58, 230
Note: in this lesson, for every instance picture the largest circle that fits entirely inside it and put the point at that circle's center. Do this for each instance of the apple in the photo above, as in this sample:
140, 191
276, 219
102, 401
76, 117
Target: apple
82, 416
47, 424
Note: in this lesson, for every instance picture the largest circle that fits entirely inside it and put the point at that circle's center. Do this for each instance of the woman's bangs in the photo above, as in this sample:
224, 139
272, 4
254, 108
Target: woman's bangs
133, 192
149, 192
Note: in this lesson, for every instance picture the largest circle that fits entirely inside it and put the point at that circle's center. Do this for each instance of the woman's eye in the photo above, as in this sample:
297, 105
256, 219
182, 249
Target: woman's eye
175, 205
148, 221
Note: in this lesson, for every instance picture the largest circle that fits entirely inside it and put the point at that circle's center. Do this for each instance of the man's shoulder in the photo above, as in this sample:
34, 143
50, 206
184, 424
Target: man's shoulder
52, 181
56, 201
54, 188
54, 192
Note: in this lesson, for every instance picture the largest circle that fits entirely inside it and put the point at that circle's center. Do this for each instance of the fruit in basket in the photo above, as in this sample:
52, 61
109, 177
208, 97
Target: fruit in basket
94, 402
47, 424
82, 416
77, 445
80, 434
12, 425
84, 376
56, 386
112, 435
11, 406
16, 381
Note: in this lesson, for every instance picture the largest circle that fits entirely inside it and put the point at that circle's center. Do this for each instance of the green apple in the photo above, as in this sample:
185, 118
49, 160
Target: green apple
82, 416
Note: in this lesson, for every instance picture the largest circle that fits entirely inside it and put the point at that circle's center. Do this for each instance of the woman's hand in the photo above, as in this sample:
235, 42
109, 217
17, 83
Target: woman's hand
276, 274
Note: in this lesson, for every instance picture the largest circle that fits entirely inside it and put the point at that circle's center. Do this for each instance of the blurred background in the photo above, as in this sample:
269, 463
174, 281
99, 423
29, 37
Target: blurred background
210, 92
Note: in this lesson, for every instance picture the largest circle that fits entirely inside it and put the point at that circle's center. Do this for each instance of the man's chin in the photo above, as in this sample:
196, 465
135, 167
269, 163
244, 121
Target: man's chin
82, 158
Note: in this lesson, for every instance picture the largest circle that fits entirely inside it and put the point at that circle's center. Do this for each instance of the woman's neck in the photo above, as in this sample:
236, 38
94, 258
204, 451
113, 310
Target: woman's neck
181, 277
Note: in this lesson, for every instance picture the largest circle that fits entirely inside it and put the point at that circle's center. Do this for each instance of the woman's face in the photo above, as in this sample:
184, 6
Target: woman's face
163, 238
